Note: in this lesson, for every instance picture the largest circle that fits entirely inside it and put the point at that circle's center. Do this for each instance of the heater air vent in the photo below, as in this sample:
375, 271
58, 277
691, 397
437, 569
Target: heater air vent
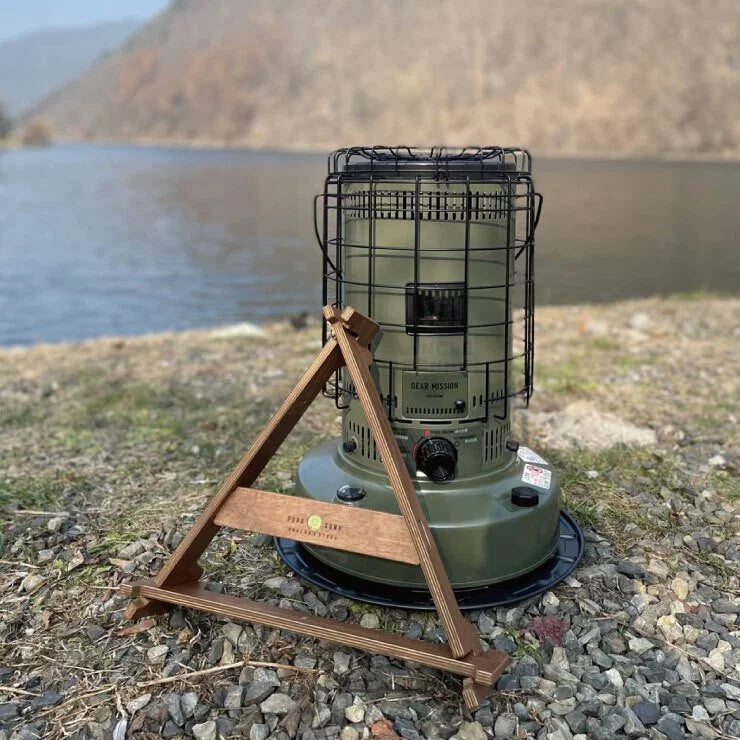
436, 308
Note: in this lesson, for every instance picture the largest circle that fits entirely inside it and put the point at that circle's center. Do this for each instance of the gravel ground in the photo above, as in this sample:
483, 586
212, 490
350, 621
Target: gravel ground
110, 448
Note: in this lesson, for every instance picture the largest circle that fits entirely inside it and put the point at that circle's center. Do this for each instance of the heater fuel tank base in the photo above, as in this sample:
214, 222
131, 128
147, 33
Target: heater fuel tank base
492, 528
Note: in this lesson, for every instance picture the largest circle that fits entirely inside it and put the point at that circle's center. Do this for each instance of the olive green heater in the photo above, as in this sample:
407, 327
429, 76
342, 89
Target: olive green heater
437, 246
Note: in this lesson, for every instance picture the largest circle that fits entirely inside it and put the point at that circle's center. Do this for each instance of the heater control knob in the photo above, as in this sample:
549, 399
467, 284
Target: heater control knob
436, 457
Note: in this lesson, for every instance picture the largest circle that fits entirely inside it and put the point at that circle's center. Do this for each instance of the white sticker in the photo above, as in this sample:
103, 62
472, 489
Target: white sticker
530, 456
536, 476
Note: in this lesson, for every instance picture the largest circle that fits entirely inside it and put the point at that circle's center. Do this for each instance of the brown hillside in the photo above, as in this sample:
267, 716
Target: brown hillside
582, 75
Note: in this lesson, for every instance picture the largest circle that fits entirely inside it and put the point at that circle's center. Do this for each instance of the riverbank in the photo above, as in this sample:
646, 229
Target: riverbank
109, 449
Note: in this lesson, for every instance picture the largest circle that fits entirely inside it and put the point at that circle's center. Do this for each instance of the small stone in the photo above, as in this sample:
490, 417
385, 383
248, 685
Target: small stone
699, 729
370, 621
633, 727
277, 704
471, 731
680, 588
356, 711
670, 728
138, 703
9, 711
206, 730
32, 582
505, 725
188, 702
341, 662
640, 645
670, 628
647, 712
486, 624
549, 599
576, 721
639, 321
157, 654
55, 523
257, 692
615, 678
717, 461
349, 733
716, 659
234, 695
259, 732
172, 702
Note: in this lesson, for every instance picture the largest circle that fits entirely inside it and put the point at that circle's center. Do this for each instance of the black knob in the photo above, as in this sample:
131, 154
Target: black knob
524, 496
436, 457
350, 494
511, 445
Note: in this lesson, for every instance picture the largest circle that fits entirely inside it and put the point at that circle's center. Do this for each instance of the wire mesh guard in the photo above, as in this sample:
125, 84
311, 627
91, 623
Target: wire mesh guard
437, 246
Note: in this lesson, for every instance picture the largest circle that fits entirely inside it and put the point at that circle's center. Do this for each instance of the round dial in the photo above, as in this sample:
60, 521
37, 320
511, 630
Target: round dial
436, 457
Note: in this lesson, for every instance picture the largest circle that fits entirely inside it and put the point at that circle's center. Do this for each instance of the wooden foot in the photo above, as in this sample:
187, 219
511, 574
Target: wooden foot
141, 607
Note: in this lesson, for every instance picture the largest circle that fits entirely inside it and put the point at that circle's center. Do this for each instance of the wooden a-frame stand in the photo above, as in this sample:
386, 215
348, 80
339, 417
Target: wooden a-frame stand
405, 537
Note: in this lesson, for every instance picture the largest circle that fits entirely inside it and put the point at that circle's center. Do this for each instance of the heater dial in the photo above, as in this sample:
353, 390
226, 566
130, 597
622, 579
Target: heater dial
436, 457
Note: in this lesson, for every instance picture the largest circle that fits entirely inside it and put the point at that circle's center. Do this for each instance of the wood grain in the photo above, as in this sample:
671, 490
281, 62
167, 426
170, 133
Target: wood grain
343, 527
460, 636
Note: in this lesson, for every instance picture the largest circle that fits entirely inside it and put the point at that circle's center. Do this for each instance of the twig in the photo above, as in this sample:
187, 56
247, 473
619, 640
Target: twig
21, 692
220, 669
33, 512
21, 564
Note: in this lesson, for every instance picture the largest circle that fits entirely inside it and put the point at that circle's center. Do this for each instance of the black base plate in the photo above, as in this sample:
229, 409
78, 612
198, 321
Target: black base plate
561, 564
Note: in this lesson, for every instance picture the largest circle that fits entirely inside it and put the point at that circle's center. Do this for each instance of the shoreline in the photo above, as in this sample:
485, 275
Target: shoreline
306, 148
306, 319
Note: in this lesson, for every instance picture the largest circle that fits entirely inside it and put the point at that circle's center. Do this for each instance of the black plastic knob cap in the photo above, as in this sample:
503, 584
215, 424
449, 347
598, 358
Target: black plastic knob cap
436, 457
524, 496
350, 494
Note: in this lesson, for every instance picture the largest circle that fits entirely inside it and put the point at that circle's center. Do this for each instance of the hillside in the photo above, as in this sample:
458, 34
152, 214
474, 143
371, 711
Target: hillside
589, 75
33, 65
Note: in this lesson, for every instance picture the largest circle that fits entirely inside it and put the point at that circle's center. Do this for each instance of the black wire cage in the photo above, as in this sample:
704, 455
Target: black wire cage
436, 245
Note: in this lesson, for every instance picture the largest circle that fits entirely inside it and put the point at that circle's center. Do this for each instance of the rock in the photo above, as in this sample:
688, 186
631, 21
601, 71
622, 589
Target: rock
206, 730
670, 628
559, 660
716, 659
349, 733
486, 624
55, 523
8, 711
259, 732
640, 645
356, 711
370, 621
699, 729
471, 731
188, 702
257, 692
576, 721
138, 703
46, 700
157, 654
633, 727
639, 321
680, 588
234, 695
671, 729
614, 677
341, 662
277, 704
174, 708
647, 712
505, 725
32, 582
527, 666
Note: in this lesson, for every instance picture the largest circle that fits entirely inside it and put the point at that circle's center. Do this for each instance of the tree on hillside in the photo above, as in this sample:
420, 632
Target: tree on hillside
6, 124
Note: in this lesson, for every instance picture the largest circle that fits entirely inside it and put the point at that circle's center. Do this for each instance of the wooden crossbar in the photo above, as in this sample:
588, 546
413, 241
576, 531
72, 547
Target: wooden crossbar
406, 537
342, 527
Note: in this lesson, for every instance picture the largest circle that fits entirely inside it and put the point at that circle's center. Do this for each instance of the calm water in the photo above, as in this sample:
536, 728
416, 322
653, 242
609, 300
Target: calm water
117, 240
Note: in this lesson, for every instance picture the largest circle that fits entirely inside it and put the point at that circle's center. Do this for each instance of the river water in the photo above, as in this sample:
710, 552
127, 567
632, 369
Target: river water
109, 240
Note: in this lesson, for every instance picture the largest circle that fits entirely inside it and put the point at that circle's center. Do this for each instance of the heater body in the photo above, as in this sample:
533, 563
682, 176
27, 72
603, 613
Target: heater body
437, 246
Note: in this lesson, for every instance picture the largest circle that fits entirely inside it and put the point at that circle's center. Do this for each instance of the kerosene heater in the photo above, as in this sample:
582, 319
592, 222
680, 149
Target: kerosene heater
437, 246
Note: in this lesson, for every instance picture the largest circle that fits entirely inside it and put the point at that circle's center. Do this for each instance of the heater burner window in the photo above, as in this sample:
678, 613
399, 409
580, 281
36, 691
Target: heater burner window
436, 308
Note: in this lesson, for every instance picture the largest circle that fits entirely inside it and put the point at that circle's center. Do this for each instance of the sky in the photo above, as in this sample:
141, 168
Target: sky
18, 17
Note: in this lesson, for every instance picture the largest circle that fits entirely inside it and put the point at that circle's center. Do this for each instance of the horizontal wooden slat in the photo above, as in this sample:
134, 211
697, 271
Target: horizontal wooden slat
483, 669
343, 527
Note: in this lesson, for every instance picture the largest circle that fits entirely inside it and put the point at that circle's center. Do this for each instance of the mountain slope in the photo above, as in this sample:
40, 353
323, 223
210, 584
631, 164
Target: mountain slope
32, 66
587, 75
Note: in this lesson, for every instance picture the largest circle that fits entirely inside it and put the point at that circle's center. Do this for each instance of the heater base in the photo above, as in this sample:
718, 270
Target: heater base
544, 577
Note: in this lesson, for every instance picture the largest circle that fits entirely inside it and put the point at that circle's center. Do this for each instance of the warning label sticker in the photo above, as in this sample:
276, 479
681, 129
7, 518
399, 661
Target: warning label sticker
537, 476
530, 456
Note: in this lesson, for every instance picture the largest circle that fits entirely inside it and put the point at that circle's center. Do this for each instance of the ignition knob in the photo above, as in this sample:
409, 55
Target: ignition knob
436, 457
